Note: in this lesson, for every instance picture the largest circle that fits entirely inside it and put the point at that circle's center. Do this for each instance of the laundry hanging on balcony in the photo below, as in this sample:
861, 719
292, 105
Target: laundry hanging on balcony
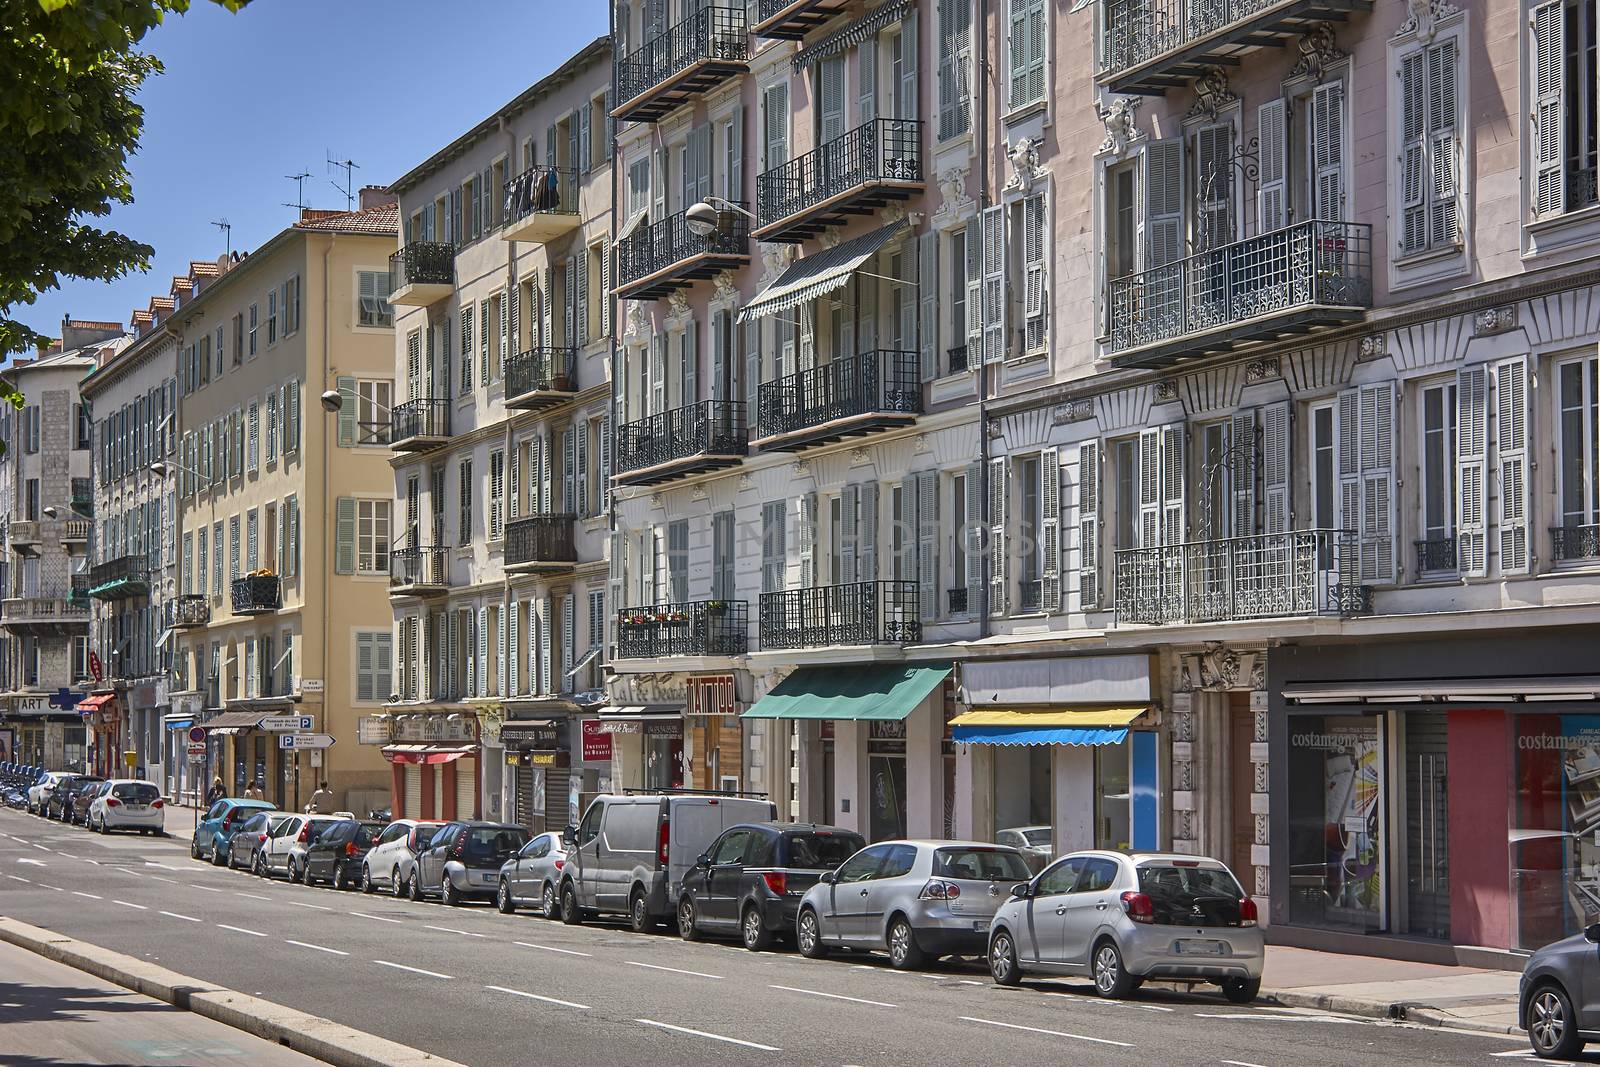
819, 274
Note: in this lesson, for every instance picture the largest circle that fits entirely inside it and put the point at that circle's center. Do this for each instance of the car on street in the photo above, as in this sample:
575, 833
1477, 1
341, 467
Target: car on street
751, 879
917, 900
285, 847
531, 876
59, 804
1033, 842
217, 826
39, 792
128, 804
1556, 1004
389, 864
75, 807
629, 853
463, 861
245, 846
1121, 918
334, 855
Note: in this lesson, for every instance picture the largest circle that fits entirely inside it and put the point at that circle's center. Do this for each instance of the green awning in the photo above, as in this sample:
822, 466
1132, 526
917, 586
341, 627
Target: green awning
881, 692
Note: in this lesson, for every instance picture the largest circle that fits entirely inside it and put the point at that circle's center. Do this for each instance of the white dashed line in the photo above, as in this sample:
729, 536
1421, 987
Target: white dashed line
303, 904
319, 948
1050, 1033
674, 970
91, 896
205, 888
551, 948
413, 970
449, 930
831, 996
711, 1037
128, 904
18, 878
240, 930
535, 996
185, 918
247, 896
1240, 1063
379, 918
169, 881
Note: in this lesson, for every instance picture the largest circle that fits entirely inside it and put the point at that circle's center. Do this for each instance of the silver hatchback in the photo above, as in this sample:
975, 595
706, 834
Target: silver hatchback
916, 899
1122, 918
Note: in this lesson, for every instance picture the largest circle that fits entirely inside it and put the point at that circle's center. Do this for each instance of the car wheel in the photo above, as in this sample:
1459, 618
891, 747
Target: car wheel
341, 878
571, 914
808, 935
1240, 990
259, 865
447, 891
366, 880
688, 928
414, 887
552, 909
903, 950
639, 913
294, 870
1111, 979
194, 849
502, 899
1003, 966
1551, 1028
754, 932
396, 886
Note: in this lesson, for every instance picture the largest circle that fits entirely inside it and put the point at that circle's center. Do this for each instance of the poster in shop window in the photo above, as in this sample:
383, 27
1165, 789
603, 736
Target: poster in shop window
1343, 884
1555, 831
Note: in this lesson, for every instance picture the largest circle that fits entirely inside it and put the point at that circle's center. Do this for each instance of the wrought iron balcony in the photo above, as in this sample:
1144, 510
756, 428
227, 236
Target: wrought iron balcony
419, 571
852, 175
957, 600
1265, 576
1150, 46
120, 578
79, 591
675, 65
421, 424
1437, 556
1575, 542
257, 594
540, 377
861, 613
541, 205
698, 628
872, 391
540, 543
660, 257
47, 615
1292, 280
956, 360
422, 274
792, 20
703, 436
188, 611
1029, 595
24, 536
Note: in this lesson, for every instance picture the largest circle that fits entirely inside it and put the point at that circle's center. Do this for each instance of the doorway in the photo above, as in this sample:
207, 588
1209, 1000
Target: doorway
1427, 825
1241, 784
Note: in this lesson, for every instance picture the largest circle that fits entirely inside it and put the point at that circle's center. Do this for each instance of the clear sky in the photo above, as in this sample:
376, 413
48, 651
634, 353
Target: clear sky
285, 84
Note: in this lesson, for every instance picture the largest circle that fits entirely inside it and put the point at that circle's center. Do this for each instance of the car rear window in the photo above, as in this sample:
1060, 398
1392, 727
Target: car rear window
137, 792
821, 850
978, 864
494, 844
1181, 894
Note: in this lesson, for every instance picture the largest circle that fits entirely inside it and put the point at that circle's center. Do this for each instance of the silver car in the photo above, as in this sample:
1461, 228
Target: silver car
916, 899
389, 863
1032, 841
531, 876
1121, 918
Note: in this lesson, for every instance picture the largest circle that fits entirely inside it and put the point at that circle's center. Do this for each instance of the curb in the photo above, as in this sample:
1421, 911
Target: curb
1397, 1011
310, 1035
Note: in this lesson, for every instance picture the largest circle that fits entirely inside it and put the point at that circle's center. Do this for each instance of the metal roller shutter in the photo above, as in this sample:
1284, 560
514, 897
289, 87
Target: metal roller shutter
411, 804
466, 788
522, 801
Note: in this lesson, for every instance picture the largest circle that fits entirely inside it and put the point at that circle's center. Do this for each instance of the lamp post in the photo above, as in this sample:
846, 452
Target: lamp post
705, 218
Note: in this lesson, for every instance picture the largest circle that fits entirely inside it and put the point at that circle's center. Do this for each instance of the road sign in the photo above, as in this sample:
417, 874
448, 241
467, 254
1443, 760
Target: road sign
197, 748
311, 685
197, 758
299, 741
197, 735
287, 724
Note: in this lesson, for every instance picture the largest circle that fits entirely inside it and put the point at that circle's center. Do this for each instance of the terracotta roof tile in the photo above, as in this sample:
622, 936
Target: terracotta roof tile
378, 220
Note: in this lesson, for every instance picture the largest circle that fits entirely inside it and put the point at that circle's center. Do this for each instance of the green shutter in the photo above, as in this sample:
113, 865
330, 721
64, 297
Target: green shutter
347, 412
344, 534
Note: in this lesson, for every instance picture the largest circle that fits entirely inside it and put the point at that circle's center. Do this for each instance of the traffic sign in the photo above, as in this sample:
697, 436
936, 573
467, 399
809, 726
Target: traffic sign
197, 759
299, 741
197, 735
197, 748
287, 724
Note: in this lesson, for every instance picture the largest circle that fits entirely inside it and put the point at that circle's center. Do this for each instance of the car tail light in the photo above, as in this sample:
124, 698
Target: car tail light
113, 802
1139, 907
560, 864
261, 839
305, 834
777, 881
938, 889
664, 839
227, 821
1247, 912
157, 803
349, 848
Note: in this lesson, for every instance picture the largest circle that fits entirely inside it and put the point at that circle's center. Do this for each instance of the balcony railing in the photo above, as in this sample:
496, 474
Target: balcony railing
124, 576
861, 613
534, 541
539, 371
24, 536
422, 263
680, 61
699, 628
419, 423
1265, 285
791, 20
256, 594
654, 260
706, 434
957, 600
877, 152
48, 613
188, 611
884, 382
413, 568
956, 359
1575, 542
1029, 595
1304, 572
1436, 556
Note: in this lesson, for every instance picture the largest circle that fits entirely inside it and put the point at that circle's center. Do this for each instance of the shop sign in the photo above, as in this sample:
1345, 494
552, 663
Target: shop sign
886, 738
596, 742
712, 695
536, 759
186, 704
435, 728
29, 705
540, 735
373, 730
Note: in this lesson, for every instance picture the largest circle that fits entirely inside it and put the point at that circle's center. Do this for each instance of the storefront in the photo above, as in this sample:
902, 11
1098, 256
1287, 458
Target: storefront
538, 760
44, 735
434, 761
646, 745
102, 716
715, 743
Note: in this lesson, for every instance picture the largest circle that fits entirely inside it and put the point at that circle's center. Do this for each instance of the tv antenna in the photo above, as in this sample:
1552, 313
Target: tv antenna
349, 166
299, 189
227, 235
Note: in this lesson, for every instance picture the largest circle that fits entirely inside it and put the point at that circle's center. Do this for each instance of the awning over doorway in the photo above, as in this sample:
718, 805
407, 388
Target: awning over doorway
1044, 726
878, 692
179, 724
96, 701
431, 755
819, 274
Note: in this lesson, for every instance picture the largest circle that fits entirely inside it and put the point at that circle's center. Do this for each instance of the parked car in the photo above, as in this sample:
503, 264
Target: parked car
285, 847
751, 879
128, 804
629, 854
1033, 842
531, 876
245, 846
334, 856
39, 792
217, 827
1121, 918
59, 802
1556, 1005
915, 899
392, 858
463, 860
75, 807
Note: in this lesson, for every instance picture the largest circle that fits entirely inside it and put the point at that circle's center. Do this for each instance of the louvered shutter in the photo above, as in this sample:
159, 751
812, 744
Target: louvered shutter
292, 555
1327, 150
1443, 144
867, 543
721, 376
569, 641
585, 132
568, 307
690, 361
514, 326
1089, 525
927, 538
1242, 470
581, 302
547, 311
583, 467
252, 446
867, 90
1549, 68
928, 293
1149, 488
574, 146
998, 550
569, 470
1272, 194
752, 375
907, 104
994, 284
469, 644
347, 411
806, 539
969, 543
541, 642
1413, 118
1036, 290
1511, 448
1276, 466
503, 673
605, 291
1049, 531
546, 489
605, 460
516, 480
505, 333
344, 555
849, 505
1163, 211
483, 653
974, 275
1213, 165
1349, 457
1173, 510
452, 653
1377, 482
485, 330
775, 146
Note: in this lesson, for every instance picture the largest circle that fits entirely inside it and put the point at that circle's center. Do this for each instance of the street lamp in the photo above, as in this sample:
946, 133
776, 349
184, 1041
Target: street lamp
705, 217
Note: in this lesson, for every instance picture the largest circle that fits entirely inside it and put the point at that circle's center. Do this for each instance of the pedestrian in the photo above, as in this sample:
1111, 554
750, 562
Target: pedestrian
321, 800
255, 791
216, 792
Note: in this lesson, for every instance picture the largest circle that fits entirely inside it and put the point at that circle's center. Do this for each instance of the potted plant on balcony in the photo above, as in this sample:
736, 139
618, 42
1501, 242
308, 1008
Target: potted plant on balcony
716, 609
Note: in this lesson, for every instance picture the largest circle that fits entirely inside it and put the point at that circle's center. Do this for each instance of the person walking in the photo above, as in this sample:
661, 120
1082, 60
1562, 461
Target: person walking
216, 792
255, 791
321, 801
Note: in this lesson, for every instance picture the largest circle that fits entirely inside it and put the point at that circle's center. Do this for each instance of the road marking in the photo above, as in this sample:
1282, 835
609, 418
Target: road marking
451, 930
535, 996
57, 888
240, 930
712, 1037
248, 896
380, 918
127, 904
1241, 1063
91, 896
1107, 1003
319, 948
41, 848
206, 888
18, 878
830, 996
550, 948
414, 970
32, 863
68, 855
1283, 1018
169, 881
1051, 1033
674, 970
175, 915
303, 904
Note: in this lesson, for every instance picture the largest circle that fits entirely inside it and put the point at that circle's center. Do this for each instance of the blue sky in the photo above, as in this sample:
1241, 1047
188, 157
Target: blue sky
280, 87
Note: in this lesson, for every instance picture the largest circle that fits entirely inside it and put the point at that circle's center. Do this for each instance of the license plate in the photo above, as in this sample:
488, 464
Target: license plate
135, 807
1190, 947
486, 877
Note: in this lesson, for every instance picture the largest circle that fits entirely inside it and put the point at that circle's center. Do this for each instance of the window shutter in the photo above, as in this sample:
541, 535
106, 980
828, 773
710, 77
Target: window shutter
1163, 212
1036, 289
1050, 530
1173, 511
569, 641
867, 542
451, 641
252, 445
516, 480
1349, 457
547, 333
1272, 208
1242, 470
849, 533
928, 291
974, 275
583, 467
585, 148
1018, 50
1149, 488
736, 154
649, 551
994, 284
482, 688
514, 326
605, 291
581, 302
605, 460
466, 349
292, 417
347, 410
510, 653
1549, 111
574, 144
775, 149
752, 375
1276, 467
570, 287
569, 469
1511, 448
485, 327
997, 536
1377, 482
546, 490
505, 331
344, 555
1089, 525
282, 534
969, 543
721, 376
1327, 149
1413, 221
690, 360
1213, 168
501, 673
1443, 144
908, 105
806, 537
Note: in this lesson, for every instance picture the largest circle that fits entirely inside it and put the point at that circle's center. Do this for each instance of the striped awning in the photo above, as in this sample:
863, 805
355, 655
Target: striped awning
820, 274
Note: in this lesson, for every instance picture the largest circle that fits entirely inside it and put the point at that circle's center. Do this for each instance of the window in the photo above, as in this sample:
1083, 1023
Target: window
1579, 398
1324, 514
272, 426
374, 665
291, 306
85, 427
372, 299
373, 403
497, 494
200, 565
955, 67
1033, 286
956, 278
253, 317
238, 339
1125, 456
639, 187
252, 552
1438, 478
722, 555
1026, 52
1028, 519
959, 540
233, 547
216, 559
773, 546
1430, 148
372, 536
32, 503
597, 623
1563, 139
272, 317
464, 531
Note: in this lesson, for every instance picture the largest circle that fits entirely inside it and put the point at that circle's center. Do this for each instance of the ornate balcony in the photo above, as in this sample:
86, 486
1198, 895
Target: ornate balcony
1293, 280
75, 531
1575, 542
660, 257
792, 20
704, 436
120, 578
1150, 46
24, 536
541, 205
861, 613
419, 572
701, 628
189, 611
422, 273
541, 377
418, 425
671, 68
535, 543
863, 394
852, 175
1265, 576
257, 594
45, 616
1437, 556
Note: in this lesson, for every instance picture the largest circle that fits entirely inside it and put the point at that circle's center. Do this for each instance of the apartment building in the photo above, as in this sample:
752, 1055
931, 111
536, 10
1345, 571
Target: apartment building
501, 428
44, 608
285, 508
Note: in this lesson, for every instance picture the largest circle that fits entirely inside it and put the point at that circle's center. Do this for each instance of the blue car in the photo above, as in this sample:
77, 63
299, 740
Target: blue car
215, 832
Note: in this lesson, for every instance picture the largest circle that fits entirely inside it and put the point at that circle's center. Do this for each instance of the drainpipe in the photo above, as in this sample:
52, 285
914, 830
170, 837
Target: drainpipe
980, 54
329, 519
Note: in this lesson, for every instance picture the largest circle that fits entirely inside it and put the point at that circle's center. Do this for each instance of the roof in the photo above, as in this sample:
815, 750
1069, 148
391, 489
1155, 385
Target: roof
384, 219
91, 324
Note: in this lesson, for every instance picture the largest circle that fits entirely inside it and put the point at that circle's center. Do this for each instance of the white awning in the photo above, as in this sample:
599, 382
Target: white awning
632, 224
820, 274
166, 635
587, 659
1446, 690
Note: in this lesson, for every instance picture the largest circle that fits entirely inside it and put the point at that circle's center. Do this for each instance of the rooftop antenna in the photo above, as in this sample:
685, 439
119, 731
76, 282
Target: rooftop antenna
348, 166
299, 189
227, 235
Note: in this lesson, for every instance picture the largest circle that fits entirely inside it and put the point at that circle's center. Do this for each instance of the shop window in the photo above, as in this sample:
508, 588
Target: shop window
1022, 791
1336, 846
1113, 815
1555, 814
886, 759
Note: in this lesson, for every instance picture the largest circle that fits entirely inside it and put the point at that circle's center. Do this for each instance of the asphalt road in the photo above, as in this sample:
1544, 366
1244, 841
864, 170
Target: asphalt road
487, 989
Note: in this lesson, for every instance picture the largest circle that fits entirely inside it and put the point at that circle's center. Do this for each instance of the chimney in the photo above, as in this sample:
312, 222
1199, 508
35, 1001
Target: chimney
376, 196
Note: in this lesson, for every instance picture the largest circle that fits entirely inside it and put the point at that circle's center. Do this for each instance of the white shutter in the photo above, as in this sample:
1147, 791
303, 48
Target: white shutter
970, 545
452, 654
830, 78
1049, 531
1511, 448
1163, 203
510, 655
1444, 210
867, 545
927, 539
849, 504
483, 653
516, 480
1272, 194
569, 459
997, 535
867, 86
1327, 150
1376, 445
1089, 525
1413, 229
1149, 488
1549, 68
994, 284
1036, 289
1242, 469
582, 473
546, 489
500, 652
806, 535
974, 267
485, 329
1173, 511
928, 293
469, 646
1213, 165
542, 637
1276, 467
605, 460
1349, 457
569, 647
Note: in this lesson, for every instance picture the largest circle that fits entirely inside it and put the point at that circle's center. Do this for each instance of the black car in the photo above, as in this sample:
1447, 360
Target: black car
60, 804
463, 860
751, 879
334, 856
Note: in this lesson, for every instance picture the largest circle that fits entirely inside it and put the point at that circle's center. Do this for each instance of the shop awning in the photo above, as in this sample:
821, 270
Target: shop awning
431, 755
179, 724
1044, 726
819, 274
96, 701
1446, 690
879, 692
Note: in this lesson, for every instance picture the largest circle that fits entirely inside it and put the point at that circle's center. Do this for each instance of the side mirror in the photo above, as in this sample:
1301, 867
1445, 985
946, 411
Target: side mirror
829, 878
1022, 890
703, 860
1591, 933
569, 836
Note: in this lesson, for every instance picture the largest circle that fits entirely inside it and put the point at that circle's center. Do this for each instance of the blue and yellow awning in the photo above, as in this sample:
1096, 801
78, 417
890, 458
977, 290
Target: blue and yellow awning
1053, 725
